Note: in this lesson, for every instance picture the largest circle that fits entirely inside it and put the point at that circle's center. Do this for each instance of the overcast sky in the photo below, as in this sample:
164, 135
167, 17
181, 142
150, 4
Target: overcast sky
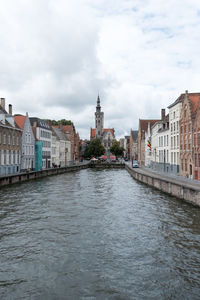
57, 55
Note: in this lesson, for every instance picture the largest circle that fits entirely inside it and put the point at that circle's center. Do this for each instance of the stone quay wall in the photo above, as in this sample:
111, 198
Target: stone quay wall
177, 188
22, 177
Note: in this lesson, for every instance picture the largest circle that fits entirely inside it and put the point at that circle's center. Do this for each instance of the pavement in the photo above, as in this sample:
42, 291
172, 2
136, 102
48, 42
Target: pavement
195, 184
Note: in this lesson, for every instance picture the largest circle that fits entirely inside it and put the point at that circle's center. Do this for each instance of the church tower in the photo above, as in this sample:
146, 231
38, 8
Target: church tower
99, 120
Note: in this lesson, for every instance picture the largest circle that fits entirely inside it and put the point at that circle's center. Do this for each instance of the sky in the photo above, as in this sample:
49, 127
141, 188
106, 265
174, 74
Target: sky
56, 56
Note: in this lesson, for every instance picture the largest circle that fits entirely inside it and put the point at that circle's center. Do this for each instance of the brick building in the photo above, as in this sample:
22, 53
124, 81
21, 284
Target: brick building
10, 141
188, 118
196, 144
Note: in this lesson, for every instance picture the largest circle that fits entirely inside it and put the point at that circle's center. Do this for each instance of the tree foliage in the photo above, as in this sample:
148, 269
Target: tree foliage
116, 149
95, 148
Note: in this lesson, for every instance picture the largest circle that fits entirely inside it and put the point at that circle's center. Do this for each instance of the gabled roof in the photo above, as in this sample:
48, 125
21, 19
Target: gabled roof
66, 128
143, 124
40, 123
60, 134
93, 131
20, 120
193, 97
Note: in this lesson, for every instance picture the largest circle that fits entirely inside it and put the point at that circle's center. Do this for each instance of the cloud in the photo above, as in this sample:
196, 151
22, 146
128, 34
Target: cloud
56, 56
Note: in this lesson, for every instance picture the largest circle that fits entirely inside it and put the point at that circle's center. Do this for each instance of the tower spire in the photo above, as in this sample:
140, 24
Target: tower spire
98, 108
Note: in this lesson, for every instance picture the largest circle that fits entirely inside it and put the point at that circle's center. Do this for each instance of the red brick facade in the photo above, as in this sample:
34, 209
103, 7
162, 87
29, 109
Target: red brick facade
189, 138
196, 144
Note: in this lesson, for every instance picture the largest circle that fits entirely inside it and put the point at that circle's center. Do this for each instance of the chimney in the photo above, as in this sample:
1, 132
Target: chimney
162, 114
3, 102
10, 109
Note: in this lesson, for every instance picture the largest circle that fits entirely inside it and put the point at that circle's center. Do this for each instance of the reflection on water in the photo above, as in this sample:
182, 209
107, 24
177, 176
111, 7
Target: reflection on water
97, 235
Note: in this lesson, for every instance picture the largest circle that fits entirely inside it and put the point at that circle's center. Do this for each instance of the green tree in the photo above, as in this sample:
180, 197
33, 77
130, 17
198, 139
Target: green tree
95, 148
116, 149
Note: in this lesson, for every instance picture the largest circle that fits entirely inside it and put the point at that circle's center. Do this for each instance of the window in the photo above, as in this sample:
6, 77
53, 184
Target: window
9, 157
177, 126
13, 139
167, 140
177, 141
4, 138
14, 157
4, 157
174, 114
195, 139
174, 126
195, 160
185, 164
9, 139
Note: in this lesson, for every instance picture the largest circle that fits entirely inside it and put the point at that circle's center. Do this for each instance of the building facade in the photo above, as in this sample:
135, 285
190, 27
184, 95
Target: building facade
133, 144
189, 134
62, 148
43, 133
142, 139
174, 119
196, 144
10, 142
27, 142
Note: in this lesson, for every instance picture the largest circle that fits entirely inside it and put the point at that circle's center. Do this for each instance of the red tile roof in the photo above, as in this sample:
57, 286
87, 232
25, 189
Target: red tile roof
93, 132
192, 96
143, 124
194, 100
20, 120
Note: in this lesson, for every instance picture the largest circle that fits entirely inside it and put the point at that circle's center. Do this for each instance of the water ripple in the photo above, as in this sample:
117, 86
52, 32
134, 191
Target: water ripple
97, 235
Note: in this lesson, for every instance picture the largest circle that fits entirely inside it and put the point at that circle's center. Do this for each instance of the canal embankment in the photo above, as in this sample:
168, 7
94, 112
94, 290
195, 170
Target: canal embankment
26, 176
22, 177
185, 190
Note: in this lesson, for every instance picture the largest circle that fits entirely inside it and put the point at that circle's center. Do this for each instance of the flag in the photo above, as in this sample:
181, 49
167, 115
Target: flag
149, 144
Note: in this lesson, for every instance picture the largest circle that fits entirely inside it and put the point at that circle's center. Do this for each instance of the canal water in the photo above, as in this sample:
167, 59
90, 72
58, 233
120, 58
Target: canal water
97, 235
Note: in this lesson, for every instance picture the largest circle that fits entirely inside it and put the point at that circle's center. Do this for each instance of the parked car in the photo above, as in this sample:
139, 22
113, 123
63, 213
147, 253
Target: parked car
135, 164
94, 159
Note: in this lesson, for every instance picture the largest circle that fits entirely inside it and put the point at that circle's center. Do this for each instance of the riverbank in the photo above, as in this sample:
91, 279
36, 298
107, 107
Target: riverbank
22, 177
185, 190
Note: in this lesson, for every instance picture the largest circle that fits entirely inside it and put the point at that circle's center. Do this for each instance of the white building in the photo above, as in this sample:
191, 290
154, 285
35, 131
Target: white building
63, 148
174, 118
27, 142
43, 132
